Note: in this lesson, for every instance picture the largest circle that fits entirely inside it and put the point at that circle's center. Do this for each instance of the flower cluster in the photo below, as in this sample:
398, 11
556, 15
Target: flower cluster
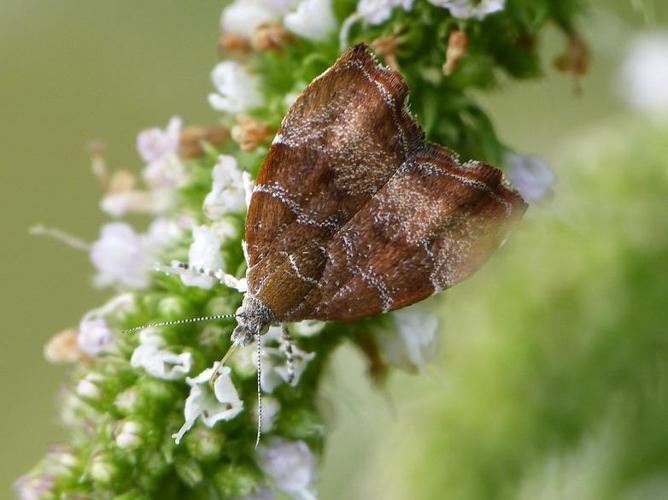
145, 413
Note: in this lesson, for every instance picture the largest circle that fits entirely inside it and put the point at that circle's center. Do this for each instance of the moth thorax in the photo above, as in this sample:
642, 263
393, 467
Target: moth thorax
253, 318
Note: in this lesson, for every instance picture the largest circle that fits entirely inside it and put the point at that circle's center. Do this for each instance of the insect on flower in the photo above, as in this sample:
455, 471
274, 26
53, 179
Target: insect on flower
353, 214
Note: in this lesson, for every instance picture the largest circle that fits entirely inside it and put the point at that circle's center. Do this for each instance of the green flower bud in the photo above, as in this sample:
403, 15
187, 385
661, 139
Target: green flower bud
104, 469
174, 308
236, 480
204, 444
189, 471
300, 423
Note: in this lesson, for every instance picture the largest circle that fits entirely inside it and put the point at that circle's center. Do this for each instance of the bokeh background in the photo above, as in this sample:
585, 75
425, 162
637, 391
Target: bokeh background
553, 359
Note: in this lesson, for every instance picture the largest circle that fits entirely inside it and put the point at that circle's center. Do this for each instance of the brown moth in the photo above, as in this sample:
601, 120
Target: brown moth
354, 214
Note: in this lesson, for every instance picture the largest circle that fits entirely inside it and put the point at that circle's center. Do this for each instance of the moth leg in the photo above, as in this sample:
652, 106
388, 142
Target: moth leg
179, 268
286, 341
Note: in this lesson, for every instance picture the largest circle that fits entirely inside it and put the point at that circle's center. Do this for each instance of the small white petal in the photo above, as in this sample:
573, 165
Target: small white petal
155, 144
167, 174
121, 257
290, 465
308, 327
94, 336
468, 9
243, 17
413, 340
379, 11
644, 74
159, 363
270, 409
204, 253
221, 404
313, 19
227, 192
237, 89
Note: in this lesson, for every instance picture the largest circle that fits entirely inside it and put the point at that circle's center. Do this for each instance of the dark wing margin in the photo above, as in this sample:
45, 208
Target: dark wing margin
433, 224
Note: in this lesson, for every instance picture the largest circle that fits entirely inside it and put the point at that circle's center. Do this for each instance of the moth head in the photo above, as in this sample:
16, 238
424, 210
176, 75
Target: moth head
253, 319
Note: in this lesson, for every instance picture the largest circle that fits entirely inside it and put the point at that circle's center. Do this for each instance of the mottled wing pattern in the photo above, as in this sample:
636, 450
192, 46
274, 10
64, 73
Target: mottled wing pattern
340, 142
433, 224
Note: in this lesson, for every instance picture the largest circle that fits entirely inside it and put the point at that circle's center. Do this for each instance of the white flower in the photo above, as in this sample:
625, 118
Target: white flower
379, 11
644, 74
313, 19
134, 201
159, 363
94, 336
155, 145
120, 256
467, 9
530, 175
166, 175
227, 192
243, 17
290, 466
274, 361
123, 256
35, 487
204, 253
237, 89
222, 404
412, 341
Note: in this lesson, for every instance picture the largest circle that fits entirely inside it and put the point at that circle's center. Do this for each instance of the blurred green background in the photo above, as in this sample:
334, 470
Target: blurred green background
568, 316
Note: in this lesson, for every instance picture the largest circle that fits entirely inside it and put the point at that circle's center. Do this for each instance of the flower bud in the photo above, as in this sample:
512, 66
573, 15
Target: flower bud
128, 435
205, 444
103, 469
236, 480
189, 471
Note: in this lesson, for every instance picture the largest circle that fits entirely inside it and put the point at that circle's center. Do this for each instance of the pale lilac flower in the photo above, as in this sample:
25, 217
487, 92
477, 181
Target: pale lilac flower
94, 336
274, 361
227, 191
530, 175
242, 17
379, 11
120, 256
221, 404
644, 74
158, 362
290, 465
123, 256
156, 145
166, 175
313, 19
467, 9
237, 89
35, 486
412, 339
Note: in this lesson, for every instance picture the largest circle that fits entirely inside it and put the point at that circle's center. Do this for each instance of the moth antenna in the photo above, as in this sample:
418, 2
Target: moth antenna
259, 389
286, 339
180, 322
